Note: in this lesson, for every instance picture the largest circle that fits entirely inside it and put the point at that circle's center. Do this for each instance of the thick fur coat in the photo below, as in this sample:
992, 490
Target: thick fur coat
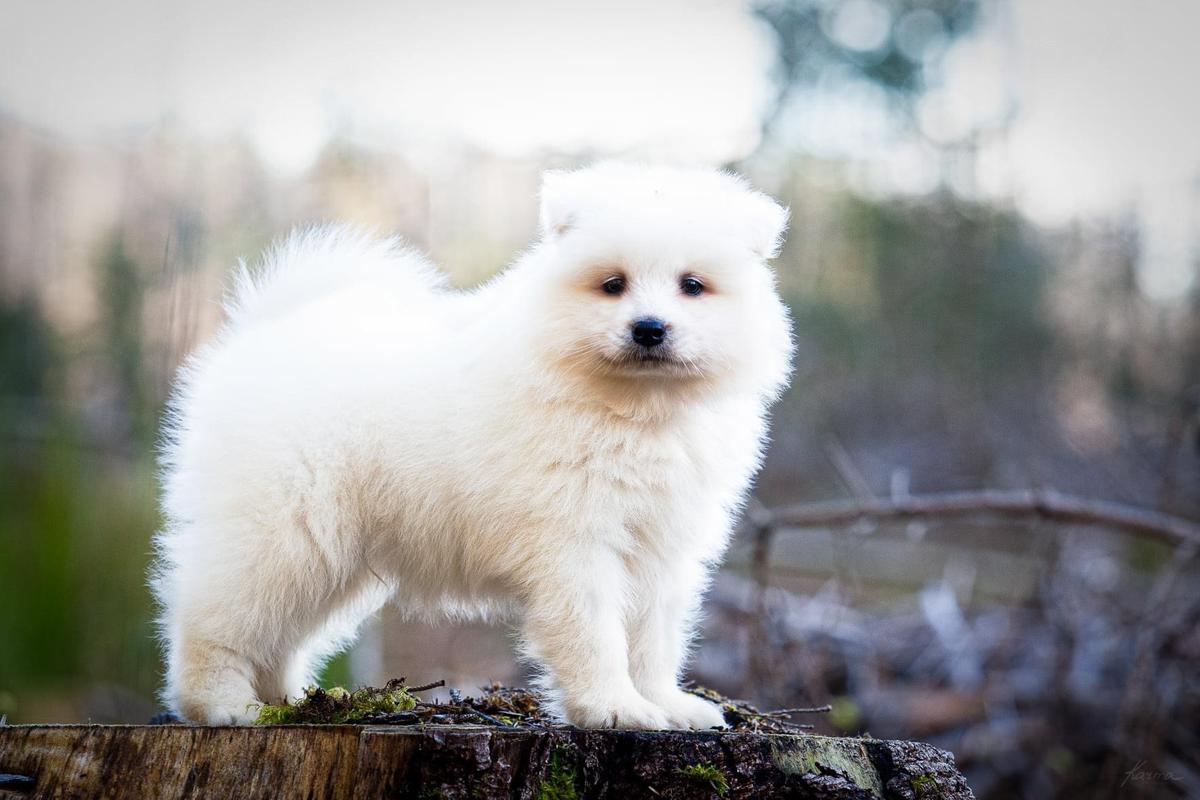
569, 444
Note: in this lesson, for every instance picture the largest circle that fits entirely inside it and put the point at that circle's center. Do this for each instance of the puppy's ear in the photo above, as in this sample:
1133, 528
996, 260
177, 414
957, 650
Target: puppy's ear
558, 210
766, 221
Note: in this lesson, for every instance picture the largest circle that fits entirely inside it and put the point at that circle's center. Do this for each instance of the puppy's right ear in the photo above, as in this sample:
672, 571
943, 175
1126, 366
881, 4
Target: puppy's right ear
557, 212
766, 221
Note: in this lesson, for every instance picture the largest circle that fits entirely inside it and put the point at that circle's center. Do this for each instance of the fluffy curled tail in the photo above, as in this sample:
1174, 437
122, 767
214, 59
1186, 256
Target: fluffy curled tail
312, 262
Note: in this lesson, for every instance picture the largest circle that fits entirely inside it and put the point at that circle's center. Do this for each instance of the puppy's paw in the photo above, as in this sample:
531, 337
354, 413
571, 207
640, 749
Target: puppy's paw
686, 710
630, 711
219, 709
233, 712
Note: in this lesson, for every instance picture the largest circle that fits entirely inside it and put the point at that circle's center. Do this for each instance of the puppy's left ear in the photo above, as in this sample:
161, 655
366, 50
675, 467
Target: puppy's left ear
558, 211
766, 222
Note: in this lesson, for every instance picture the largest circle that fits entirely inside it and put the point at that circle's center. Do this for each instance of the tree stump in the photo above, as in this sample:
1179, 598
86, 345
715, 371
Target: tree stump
460, 761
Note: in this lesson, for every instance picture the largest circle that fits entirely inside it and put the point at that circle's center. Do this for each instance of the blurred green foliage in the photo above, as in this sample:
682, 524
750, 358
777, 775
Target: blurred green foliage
76, 513
74, 548
937, 288
957, 289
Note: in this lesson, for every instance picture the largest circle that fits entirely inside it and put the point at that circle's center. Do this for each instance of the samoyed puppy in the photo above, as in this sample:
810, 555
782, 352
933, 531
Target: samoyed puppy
569, 443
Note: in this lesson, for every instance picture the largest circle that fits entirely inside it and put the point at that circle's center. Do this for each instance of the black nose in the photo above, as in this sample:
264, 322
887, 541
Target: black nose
649, 332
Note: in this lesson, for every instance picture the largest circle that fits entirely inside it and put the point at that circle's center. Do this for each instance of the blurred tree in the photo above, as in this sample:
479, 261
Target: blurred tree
894, 44
959, 289
938, 286
122, 289
921, 325
27, 352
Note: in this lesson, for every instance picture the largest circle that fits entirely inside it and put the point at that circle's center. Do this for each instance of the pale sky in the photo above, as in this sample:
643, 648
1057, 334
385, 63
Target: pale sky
680, 76
1107, 111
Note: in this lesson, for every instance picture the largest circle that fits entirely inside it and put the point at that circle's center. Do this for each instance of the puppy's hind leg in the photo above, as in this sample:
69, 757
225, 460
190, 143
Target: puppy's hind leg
211, 647
238, 602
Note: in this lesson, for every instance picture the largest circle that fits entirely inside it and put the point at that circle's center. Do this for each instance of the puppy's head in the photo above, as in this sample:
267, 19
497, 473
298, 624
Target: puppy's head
658, 274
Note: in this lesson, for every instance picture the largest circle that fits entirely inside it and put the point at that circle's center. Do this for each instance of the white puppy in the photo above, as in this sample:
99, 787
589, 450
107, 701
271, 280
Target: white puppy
570, 442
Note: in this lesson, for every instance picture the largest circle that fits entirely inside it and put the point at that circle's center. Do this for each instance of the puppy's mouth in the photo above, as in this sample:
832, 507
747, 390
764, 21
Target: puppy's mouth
647, 361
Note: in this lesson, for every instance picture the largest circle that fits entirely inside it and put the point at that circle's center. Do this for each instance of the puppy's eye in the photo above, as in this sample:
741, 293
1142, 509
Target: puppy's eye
691, 285
614, 285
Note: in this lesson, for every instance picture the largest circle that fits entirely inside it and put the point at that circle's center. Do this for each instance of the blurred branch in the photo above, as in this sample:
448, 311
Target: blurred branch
1045, 504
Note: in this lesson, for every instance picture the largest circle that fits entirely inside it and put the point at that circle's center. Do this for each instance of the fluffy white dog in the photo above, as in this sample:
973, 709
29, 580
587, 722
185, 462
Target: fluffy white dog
570, 442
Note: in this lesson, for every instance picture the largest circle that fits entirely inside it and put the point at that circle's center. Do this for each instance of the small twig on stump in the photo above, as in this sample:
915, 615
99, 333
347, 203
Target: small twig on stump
780, 712
426, 687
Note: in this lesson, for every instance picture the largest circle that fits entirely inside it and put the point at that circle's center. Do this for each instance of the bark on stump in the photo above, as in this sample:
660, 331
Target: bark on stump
328, 761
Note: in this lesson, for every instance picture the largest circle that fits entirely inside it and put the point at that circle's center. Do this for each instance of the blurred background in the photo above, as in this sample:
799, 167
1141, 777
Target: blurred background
992, 266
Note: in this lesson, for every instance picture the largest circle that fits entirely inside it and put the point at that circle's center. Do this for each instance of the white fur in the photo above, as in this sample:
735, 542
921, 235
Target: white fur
358, 432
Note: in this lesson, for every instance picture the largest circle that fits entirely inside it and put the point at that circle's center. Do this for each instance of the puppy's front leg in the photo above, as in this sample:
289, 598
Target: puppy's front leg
574, 624
668, 598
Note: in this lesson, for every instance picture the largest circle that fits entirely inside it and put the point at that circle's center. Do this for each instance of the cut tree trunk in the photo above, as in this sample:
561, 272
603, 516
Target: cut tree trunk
456, 761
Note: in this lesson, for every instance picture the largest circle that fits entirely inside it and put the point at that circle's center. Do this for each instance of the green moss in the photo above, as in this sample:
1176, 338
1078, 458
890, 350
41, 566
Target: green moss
561, 782
707, 773
269, 714
337, 705
923, 784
